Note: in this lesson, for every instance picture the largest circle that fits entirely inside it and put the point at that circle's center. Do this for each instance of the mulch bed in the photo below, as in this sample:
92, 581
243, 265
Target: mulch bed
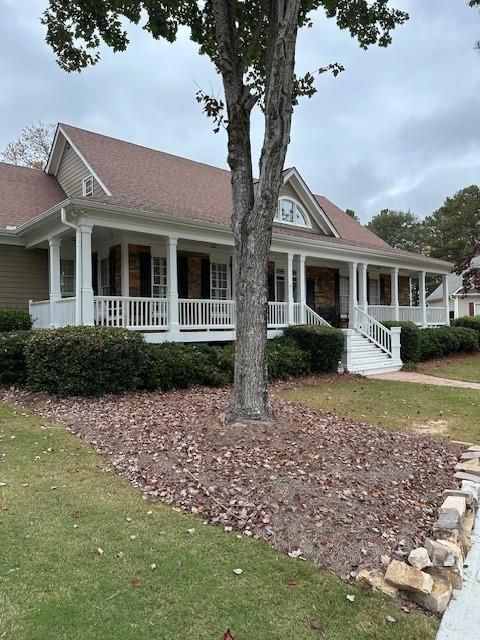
340, 492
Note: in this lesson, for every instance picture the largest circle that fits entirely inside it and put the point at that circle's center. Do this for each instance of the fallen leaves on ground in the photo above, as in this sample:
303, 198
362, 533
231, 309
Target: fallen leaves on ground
344, 492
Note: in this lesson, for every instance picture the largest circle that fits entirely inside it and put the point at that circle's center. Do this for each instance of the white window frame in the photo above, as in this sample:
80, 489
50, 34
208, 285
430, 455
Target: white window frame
344, 295
301, 218
159, 279
476, 309
87, 186
104, 276
214, 279
67, 291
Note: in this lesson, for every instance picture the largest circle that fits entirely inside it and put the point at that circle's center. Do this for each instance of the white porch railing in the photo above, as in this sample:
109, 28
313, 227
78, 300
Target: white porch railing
131, 313
436, 315
373, 330
64, 312
277, 315
206, 314
296, 313
40, 312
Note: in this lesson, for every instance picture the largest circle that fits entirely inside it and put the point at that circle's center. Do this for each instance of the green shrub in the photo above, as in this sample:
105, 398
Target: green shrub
15, 320
468, 322
179, 366
13, 368
448, 338
286, 360
468, 339
324, 345
431, 344
85, 361
409, 340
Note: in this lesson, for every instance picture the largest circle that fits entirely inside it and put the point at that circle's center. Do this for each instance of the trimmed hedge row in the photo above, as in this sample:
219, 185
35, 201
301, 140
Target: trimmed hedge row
89, 361
324, 344
424, 344
468, 322
85, 360
15, 320
410, 344
13, 369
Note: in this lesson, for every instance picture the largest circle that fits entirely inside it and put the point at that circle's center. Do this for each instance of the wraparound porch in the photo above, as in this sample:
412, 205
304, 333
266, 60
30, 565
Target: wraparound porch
176, 288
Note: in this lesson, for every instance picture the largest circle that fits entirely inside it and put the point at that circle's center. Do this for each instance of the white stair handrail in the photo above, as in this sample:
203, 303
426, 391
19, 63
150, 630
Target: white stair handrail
312, 317
373, 330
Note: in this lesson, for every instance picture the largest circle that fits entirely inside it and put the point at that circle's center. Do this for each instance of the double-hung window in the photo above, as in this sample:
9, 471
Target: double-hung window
87, 186
219, 281
373, 291
67, 277
344, 295
105, 276
159, 277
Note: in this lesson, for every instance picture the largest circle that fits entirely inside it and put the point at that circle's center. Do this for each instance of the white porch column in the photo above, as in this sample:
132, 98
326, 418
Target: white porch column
54, 277
302, 287
422, 297
352, 293
362, 289
125, 269
172, 278
395, 303
86, 273
446, 302
289, 283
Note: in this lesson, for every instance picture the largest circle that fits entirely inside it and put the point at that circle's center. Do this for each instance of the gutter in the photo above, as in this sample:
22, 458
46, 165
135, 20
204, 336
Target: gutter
289, 240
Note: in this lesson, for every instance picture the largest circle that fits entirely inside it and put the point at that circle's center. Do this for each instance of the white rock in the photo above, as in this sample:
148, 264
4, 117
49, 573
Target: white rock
419, 558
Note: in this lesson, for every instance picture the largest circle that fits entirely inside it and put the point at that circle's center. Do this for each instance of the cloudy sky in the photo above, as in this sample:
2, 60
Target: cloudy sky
400, 128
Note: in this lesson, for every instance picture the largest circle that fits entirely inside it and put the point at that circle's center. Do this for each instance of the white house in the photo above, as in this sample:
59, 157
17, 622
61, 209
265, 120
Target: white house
115, 234
461, 302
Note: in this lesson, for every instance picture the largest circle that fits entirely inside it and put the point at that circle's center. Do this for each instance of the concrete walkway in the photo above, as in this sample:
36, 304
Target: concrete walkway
461, 620
422, 378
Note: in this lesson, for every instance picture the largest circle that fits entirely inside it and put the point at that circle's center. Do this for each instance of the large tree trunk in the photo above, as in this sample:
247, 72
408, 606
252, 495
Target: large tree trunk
254, 208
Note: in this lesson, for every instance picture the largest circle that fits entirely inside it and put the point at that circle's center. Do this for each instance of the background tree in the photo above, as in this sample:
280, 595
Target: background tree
401, 229
475, 3
32, 147
352, 214
469, 267
454, 229
252, 44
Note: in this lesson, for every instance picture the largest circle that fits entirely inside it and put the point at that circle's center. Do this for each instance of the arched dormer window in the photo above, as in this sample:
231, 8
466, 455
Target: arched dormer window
289, 212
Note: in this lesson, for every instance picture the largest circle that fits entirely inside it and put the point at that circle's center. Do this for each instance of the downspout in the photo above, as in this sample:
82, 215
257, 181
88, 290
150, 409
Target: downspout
78, 260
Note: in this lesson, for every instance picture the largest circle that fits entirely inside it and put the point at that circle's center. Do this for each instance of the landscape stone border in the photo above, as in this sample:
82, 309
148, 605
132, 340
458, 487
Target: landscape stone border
433, 571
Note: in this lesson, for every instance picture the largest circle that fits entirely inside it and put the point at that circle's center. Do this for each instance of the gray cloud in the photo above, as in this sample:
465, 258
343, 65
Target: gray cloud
397, 129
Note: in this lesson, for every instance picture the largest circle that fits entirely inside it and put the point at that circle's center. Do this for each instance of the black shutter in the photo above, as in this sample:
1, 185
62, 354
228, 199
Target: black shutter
145, 274
337, 292
205, 281
182, 276
95, 274
112, 265
271, 285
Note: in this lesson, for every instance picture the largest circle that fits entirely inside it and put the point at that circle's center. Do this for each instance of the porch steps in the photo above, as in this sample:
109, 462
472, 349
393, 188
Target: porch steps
368, 359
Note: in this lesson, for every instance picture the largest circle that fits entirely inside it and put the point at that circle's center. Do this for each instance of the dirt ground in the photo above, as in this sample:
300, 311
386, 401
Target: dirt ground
340, 492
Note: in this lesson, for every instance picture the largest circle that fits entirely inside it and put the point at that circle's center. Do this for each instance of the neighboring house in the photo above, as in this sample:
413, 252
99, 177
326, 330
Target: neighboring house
461, 302
115, 234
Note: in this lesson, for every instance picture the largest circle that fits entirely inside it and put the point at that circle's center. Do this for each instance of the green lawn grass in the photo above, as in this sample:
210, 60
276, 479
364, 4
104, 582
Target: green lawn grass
449, 412
59, 504
460, 368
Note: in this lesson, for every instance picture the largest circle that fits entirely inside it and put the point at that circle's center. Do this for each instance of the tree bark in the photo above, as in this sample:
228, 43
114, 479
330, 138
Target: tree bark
254, 207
